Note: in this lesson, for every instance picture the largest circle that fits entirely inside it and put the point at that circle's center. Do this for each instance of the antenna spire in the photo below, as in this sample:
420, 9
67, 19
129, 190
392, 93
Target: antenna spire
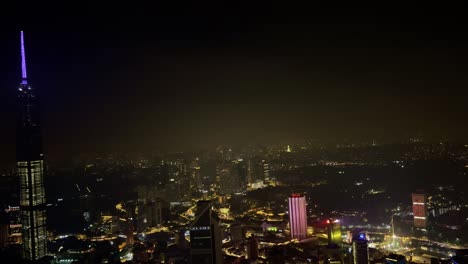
24, 76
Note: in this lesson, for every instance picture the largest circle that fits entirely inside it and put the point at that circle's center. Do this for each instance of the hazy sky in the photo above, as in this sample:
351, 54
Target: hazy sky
138, 76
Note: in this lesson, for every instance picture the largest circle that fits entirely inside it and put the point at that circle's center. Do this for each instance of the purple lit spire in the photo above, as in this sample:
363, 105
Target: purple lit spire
24, 75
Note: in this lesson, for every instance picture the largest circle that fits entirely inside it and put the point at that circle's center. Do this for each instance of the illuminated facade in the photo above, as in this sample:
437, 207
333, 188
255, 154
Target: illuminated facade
419, 210
334, 231
30, 169
360, 249
15, 227
297, 216
258, 173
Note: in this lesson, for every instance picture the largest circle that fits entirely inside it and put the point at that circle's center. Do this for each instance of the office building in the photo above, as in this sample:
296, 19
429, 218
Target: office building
419, 209
205, 236
152, 213
258, 172
229, 176
360, 249
30, 168
15, 227
334, 231
297, 216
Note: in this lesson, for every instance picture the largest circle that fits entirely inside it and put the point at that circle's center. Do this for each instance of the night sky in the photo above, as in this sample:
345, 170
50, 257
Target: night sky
139, 76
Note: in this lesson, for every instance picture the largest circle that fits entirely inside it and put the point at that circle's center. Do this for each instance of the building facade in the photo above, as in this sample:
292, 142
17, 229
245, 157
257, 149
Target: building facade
334, 231
30, 168
297, 216
419, 209
360, 249
205, 236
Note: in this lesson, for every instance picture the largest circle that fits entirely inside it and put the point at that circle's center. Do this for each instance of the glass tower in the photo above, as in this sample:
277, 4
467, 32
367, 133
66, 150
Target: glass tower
30, 168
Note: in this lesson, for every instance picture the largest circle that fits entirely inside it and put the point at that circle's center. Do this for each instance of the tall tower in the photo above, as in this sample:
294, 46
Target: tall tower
334, 231
297, 216
205, 236
30, 168
419, 209
360, 249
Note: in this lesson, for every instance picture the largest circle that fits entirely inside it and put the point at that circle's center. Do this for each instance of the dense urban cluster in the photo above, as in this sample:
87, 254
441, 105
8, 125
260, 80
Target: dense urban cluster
310, 202
149, 207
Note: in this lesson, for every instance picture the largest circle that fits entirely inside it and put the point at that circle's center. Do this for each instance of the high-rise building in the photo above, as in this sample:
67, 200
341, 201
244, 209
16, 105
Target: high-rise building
419, 209
15, 228
153, 213
297, 216
109, 224
240, 166
30, 168
334, 231
224, 179
360, 249
205, 236
230, 177
252, 249
194, 172
258, 172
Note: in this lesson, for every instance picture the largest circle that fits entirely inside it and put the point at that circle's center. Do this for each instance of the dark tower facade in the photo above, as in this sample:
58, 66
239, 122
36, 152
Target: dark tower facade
360, 249
205, 236
30, 168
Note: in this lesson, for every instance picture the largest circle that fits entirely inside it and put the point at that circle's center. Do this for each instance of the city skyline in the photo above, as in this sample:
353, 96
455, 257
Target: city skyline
262, 74
233, 133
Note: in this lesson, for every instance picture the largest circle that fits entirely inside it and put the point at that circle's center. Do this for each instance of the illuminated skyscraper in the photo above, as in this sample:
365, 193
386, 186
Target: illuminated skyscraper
419, 209
334, 231
205, 236
360, 249
15, 228
297, 216
258, 172
30, 168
